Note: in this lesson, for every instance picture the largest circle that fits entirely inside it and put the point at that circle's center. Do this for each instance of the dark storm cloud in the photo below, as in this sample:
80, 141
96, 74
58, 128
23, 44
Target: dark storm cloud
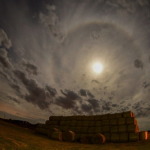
70, 94
86, 108
69, 100
138, 63
146, 84
4, 58
95, 104
36, 94
86, 93
4, 40
95, 81
30, 68
141, 109
5, 44
52, 91
83, 92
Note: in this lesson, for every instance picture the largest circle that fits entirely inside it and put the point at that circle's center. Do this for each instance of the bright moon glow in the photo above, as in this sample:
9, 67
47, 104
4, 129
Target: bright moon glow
97, 67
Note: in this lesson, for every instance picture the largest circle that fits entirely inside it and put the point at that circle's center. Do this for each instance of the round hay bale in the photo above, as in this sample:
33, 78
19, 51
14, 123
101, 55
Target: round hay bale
133, 137
131, 120
123, 137
121, 121
98, 139
115, 137
51, 130
132, 128
114, 129
68, 136
105, 122
128, 114
122, 128
85, 139
57, 135
143, 135
105, 129
98, 123
98, 129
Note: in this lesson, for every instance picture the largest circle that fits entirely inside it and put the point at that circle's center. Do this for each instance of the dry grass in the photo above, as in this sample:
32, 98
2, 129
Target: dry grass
16, 138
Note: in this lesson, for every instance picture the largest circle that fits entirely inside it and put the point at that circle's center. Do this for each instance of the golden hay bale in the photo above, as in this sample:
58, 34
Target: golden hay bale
133, 137
107, 136
122, 128
98, 139
91, 123
113, 122
114, 129
121, 121
68, 136
73, 123
91, 130
132, 128
143, 135
114, 137
56, 136
118, 115
98, 123
123, 137
98, 129
131, 120
85, 139
105, 122
105, 129
128, 114
84, 130
51, 130
64, 128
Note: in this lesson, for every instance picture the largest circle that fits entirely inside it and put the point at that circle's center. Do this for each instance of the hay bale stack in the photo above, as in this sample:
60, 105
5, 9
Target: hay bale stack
85, 139
118, 127
68, 136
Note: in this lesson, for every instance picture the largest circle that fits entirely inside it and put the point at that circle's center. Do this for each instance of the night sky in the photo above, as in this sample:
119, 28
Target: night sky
47, 48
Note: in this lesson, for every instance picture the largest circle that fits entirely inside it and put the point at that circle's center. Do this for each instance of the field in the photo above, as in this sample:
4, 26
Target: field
13, 137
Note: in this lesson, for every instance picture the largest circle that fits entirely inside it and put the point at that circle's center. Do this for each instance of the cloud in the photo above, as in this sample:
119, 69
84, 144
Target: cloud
52, 91
138, 63
51, 20
36, 94
87, 108
95, 81
30, 68
86, 93
69, 100
4, 58
4, 41
95, 104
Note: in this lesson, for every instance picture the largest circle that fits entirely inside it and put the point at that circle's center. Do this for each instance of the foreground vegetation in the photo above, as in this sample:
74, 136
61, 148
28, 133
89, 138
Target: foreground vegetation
13, 137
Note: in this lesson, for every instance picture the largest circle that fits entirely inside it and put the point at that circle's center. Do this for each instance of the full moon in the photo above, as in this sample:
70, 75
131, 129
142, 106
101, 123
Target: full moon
97, 67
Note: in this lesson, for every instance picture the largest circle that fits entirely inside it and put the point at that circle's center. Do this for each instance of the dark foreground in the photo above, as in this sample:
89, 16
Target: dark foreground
13, 137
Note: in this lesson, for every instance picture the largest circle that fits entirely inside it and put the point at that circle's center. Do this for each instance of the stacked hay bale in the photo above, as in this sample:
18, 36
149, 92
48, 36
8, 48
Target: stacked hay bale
119, 127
